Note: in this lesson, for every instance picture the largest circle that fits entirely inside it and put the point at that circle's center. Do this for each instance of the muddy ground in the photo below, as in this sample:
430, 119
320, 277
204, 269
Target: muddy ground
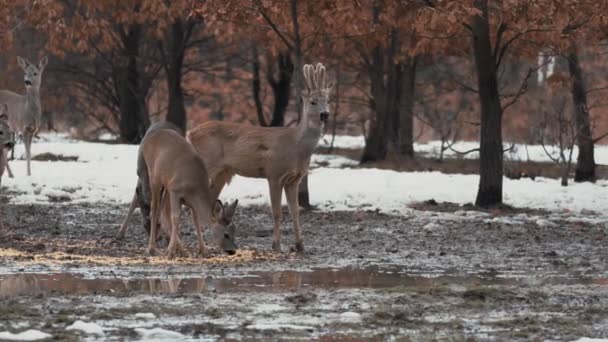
440, 271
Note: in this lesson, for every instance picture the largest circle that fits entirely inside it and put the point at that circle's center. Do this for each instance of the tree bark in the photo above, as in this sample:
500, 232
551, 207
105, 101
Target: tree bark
376, 141
585, 163
281, 89
491, 153
256, 87
405, 142
134, 120
176, 112
303, 194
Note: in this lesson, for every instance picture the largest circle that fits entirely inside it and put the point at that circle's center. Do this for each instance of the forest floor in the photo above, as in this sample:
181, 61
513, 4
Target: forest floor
436, 271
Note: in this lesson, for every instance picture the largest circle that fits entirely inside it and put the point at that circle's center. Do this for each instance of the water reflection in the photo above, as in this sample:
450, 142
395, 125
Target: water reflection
68, 283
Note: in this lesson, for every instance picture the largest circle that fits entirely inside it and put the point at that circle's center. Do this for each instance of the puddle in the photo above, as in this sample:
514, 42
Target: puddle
69, 283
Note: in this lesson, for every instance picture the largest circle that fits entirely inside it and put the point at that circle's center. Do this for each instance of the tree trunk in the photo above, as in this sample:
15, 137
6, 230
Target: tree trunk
585, 163
405, 142
336, 108
134, 119
377, 140
490, 154
176, 112
256, 86
281, 89
303, 194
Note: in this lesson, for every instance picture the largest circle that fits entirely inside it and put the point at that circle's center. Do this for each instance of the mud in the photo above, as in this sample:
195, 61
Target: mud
439, 272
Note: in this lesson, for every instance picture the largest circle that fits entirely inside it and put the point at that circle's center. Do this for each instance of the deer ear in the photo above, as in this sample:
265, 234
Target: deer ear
218, 209
43, 62
230, 210
23, 63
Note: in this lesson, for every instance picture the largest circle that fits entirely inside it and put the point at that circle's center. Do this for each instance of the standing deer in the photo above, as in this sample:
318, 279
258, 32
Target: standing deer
279, 154
26, 109
177, 171
6, 142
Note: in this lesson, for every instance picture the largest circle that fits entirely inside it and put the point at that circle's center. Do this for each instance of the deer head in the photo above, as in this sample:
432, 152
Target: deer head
7, 137
316, 97
222, 227
32, 74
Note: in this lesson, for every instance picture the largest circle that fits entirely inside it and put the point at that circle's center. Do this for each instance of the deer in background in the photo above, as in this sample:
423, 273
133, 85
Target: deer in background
279, 154
26, 109
6, 143
178, 174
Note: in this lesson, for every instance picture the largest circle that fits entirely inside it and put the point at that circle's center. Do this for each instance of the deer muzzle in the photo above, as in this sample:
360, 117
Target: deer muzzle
324, 116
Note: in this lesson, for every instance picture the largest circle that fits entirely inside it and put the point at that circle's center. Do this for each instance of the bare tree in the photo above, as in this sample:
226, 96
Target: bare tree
559, 130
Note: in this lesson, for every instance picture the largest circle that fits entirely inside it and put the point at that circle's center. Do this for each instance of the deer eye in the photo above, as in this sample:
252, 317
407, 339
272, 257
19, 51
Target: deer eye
313, 103
226, 236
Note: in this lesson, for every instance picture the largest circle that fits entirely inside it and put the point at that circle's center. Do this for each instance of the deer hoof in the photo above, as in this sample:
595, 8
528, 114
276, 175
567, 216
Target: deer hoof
276, 246
300, 247
152, 251
203, 253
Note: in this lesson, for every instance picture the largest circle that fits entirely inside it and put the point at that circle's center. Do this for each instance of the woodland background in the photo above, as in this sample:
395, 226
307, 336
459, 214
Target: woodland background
491, 71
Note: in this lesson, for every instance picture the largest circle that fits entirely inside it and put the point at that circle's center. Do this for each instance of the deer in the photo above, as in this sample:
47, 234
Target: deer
279, 154
6, 143
177, 174
141, 197
26, 108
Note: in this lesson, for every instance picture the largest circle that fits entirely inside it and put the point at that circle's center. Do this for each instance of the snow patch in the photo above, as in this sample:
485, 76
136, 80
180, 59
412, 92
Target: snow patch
28, 335
106, 173
87, 328
545, 223
350, 316
158, 334
145, 315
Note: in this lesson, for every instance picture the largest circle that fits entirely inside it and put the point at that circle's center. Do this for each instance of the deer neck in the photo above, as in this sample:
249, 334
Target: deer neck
32, 100
307, 136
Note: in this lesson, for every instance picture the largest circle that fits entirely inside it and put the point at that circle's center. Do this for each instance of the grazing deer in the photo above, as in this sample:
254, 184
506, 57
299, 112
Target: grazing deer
279, 154
177, 171
26, 109
6, 143
142, 189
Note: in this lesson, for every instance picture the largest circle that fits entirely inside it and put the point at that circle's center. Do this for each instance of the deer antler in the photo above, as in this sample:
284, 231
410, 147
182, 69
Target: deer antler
315, 77
307, 70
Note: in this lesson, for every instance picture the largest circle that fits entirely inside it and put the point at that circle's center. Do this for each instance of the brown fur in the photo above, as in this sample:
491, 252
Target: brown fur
26, 109
174, 168
279, 154
6, 141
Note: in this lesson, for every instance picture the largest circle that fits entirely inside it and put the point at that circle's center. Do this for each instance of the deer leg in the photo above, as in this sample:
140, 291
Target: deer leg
275, 202
165, 221
8, 168
10, 172
154, 213
125, 223
291, 192
1, 220
176, 209
198, 211
28, 135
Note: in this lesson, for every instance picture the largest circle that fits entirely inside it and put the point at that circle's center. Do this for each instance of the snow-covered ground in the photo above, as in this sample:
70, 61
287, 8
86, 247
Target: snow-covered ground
432, 148
106, 172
